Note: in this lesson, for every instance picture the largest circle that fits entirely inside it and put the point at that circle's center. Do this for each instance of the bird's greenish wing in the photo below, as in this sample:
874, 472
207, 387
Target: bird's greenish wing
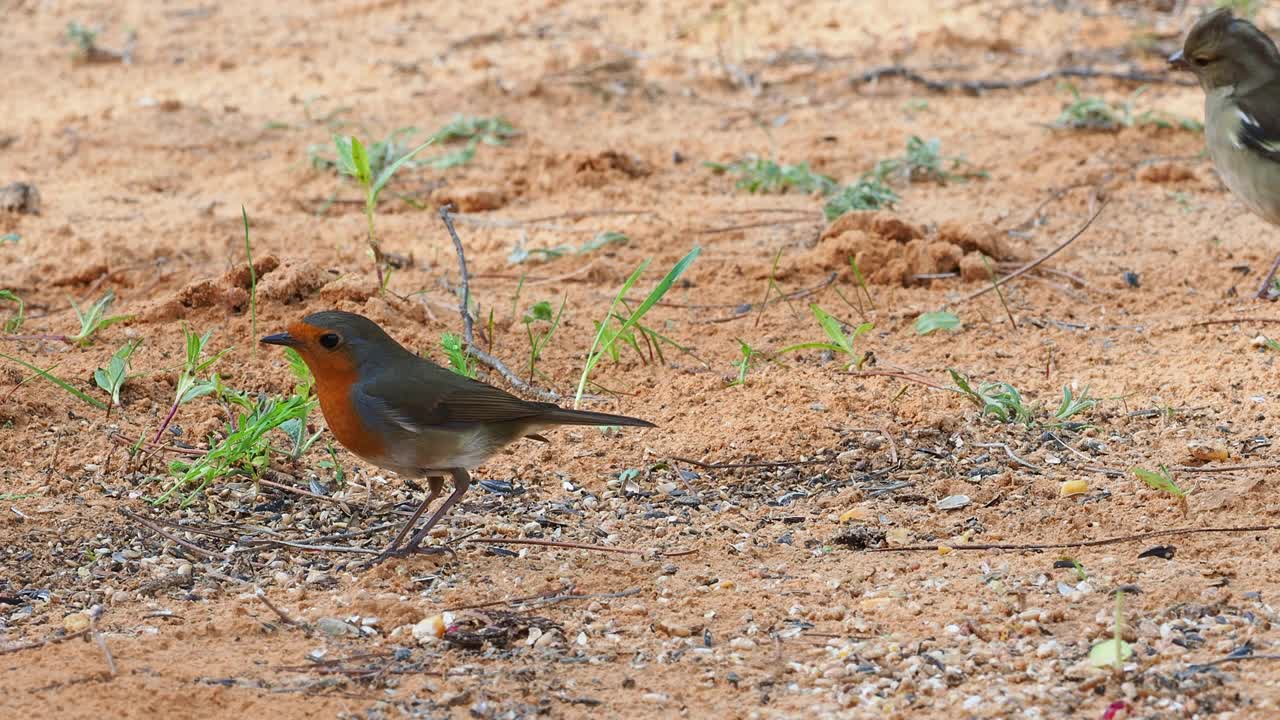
433, 397
1259, 114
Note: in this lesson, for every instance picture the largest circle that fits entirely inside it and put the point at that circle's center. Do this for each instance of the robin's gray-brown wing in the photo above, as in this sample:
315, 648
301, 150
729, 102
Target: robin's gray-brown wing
426, 396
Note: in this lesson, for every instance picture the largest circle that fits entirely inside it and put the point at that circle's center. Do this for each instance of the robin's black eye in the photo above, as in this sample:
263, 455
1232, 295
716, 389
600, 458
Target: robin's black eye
1199, 61
329, 341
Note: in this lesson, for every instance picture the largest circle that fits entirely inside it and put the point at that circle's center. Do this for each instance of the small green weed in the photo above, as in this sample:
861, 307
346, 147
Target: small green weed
868, 193
353, 160
540, 314
840, 342
459, 360
1073, 404
112, 378
245, 449
999, 399
84, 38
47, 375
95, 318
1161, 481
607, 334
743, 365
13, 323
761, 175
923, 161
520, 253
189, 386
1094, 113
1114, 650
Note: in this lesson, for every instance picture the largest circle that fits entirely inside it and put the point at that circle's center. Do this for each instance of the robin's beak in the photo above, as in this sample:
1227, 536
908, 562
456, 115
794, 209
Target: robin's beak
1178, 62
280, 339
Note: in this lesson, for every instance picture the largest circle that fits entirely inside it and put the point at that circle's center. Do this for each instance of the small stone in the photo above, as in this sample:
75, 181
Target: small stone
333, 627
1078, 486
742, 643
953, 502
432, 628
1207, 451
75, 622
672, 629
655, 698
848, 457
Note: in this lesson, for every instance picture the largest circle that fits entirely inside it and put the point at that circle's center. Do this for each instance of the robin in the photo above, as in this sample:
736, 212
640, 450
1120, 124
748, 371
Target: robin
409, 415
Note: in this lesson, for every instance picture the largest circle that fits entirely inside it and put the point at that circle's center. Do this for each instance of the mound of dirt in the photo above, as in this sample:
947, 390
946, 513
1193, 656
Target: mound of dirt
231, 291
890, 250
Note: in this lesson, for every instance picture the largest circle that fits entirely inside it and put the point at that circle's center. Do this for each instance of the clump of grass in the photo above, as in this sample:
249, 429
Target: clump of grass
840, 342
923, 161
353, 160
245, 449
459, 359
95, 318
998, 399
1094, 113
1002, 401
762, 175
189, 386
607, 334
13, 323
868, 193
112, 377
84, 38
540, 314
474, 130
1073, 404
520, 253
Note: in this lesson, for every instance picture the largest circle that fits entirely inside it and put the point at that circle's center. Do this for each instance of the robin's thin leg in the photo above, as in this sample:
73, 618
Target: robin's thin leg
436, 488
1264, 290
461, 481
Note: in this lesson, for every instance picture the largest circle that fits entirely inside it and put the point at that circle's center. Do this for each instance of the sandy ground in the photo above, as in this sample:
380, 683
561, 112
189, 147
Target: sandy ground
755, 590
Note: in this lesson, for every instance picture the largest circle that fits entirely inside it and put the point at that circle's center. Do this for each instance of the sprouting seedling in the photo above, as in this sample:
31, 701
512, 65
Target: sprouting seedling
924, 161
772, 287
1114, 650
743, 365
840, 342
999, 399
1074, 565
1094, 113
112, 377
353, 160
1161, 481
475, 130
245, 448
607, 334
47, 375
868, 193
1073, 404
13, 323
253, 280
520, 253
189, 387
95, 318
459, 360
761, 175
84, 38
541, 313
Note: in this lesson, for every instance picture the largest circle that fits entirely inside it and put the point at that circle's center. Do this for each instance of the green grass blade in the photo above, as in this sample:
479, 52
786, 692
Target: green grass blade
57, 381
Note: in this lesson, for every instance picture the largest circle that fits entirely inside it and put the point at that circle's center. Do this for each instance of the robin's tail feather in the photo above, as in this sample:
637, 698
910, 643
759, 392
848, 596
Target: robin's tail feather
564, 416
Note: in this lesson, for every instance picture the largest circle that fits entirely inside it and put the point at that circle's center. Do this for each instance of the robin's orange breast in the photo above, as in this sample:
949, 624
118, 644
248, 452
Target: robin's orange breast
334, 391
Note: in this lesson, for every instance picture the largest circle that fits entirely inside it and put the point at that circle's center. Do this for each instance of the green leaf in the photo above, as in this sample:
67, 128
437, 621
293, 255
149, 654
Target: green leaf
1109, 653
57, 381
539, 311
391, 169
1161, 481
934, 321
601, 345
13, 324
10, 238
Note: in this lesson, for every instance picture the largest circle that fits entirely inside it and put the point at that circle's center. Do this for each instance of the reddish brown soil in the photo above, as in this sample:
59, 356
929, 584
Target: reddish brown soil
142, 170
